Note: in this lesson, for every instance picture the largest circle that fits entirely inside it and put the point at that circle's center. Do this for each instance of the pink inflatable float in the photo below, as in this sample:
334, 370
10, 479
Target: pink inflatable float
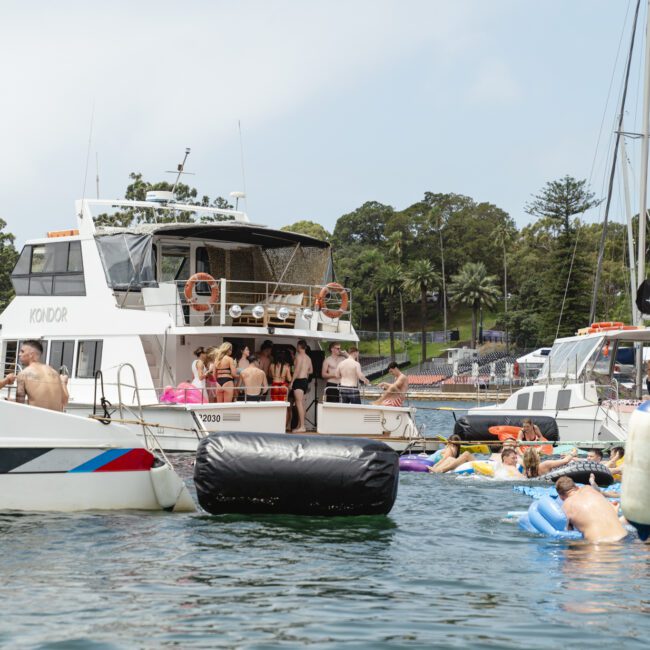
184, 393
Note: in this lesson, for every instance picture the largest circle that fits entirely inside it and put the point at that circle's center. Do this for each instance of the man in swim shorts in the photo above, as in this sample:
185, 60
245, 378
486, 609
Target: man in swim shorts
393, 393
303, 369
589, 512
254, 380
349, 373
39, 383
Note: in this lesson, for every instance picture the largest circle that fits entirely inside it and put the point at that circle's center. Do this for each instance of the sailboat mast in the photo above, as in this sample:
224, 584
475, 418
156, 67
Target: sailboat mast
630, 235
643, 182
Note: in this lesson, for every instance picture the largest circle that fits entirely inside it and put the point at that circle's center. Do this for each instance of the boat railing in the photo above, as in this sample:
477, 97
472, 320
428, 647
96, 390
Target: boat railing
246, 303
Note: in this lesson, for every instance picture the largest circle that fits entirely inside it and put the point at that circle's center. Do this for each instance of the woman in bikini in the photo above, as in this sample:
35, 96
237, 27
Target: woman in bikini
451, 457
280, 376
224, 369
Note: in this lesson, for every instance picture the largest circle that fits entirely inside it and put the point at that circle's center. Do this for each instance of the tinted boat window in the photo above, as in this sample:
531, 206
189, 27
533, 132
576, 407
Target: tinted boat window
89, 358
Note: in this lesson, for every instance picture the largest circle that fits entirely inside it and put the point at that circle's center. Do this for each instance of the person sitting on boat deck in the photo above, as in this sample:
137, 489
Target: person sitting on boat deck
264, 356
199, 371
254, 381
589, 512
595, 455
534, 468
39, 383
328, 373
451, 457
302, 370
223, 368
393, 393
349, 374
616, 462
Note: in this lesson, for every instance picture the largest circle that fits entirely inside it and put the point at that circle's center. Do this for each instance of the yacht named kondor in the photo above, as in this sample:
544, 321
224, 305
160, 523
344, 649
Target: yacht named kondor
101, 296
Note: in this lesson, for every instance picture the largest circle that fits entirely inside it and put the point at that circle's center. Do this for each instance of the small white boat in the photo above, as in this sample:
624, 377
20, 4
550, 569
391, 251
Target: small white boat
52, 461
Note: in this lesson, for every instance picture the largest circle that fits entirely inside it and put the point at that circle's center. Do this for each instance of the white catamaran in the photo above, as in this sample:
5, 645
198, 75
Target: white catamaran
101, 296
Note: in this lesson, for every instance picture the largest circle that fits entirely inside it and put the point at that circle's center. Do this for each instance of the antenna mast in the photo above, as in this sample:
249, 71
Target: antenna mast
180, 170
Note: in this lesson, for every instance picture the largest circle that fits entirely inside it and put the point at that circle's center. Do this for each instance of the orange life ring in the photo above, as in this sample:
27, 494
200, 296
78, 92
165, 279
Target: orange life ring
191, 298
606, 325
332, 287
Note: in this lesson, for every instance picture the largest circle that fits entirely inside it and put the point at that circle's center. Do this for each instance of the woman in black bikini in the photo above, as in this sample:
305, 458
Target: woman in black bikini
223, 367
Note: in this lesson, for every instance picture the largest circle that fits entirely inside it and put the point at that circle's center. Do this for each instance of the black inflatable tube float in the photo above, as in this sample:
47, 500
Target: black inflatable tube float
476, 427
580, 470
250, 473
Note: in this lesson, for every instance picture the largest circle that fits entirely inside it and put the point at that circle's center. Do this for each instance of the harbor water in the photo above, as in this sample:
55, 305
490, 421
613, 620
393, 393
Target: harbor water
445, 569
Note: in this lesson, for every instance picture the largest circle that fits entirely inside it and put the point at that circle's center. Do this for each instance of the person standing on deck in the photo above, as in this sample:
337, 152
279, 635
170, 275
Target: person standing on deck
331, 363
254, 381
349, 373
303, 369
264, 356
39, 383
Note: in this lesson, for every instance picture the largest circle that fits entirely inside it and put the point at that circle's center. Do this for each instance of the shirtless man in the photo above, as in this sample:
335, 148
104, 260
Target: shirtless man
264, 356
589, 512
331, 363
349, 374
254, 380
40, 383
393, 393
302, 370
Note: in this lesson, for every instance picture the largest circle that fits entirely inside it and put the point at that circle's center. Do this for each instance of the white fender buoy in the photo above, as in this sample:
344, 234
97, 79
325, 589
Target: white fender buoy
170, 490
635, 489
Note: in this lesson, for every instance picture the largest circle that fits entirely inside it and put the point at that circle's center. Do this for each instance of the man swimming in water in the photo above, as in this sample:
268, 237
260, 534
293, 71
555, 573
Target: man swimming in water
41, 384
589, 512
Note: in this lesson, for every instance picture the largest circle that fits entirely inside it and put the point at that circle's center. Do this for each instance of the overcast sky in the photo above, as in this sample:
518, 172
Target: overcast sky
340, 102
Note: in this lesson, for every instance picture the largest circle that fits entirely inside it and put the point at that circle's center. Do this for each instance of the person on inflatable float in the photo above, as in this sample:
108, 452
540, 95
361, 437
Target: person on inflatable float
508, 468
589, 512
534, 468
530, 432
616, 462
451, 457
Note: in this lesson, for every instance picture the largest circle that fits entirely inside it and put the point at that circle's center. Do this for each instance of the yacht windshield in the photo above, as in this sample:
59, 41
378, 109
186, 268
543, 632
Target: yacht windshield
568, 358
128, 261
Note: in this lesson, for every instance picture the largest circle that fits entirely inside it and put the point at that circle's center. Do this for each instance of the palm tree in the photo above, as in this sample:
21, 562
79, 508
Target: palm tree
421, 277
388, 283
473, 286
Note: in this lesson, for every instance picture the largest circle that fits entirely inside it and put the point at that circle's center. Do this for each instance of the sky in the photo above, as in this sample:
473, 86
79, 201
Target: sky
340, 101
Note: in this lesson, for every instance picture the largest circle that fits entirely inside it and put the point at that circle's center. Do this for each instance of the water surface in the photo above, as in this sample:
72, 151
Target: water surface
443, 569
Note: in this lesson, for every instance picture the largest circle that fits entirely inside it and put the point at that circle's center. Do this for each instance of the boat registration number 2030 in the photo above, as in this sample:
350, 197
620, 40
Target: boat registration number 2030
210, 417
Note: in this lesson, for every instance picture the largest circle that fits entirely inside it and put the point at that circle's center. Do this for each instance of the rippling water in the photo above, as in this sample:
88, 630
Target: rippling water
444, 568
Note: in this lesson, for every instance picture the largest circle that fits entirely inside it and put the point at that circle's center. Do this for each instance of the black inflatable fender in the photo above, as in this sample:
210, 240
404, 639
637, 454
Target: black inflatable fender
295, 474
580, 470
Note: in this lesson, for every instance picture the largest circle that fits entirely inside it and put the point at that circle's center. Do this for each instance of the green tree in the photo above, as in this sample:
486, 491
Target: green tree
365, 226
8, 258
561, 200
387, 283
473, 286
421, 277
309, 228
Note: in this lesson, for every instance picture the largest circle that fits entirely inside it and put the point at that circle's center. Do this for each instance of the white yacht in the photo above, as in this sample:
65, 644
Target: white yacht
99, 296
586, 390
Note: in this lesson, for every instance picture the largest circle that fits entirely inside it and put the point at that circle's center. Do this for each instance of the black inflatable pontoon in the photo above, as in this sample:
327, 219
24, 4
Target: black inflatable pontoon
295, 474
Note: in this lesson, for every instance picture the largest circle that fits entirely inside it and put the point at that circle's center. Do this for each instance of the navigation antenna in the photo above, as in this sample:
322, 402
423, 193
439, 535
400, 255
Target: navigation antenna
180, 170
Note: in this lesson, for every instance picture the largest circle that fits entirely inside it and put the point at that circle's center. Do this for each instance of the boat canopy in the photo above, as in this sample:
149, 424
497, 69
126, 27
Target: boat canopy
569, 357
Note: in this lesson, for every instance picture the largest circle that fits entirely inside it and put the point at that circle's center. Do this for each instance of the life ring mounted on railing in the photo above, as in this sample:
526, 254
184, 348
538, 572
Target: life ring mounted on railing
332, 287
191, 297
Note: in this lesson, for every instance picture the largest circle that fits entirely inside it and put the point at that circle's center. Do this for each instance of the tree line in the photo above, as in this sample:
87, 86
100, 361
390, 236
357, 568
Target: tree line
447, 250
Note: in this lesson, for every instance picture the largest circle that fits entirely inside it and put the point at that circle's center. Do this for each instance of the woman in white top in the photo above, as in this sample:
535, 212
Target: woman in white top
199, 371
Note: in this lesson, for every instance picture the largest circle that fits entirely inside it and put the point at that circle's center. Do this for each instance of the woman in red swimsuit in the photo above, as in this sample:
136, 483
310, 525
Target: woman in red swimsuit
280, 375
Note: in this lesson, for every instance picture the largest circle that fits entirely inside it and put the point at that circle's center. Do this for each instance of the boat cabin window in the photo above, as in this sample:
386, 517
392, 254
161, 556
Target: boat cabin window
600, 363
52, 269
61, 354
89, 358
174, 263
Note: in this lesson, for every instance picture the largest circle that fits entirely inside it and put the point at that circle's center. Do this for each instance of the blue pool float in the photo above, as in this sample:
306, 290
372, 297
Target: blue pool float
546, 516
